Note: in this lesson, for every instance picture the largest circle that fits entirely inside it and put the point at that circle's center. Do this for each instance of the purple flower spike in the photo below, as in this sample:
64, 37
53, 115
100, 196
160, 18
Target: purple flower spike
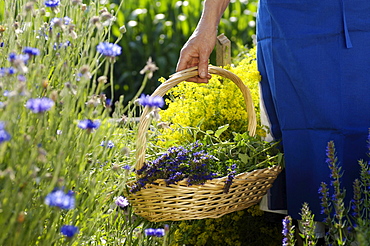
156, 101
109, 49
39, 105
69, 230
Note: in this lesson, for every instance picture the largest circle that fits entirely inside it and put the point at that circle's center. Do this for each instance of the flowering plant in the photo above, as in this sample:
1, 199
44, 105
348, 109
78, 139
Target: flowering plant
209, 158
212, 105
178, 163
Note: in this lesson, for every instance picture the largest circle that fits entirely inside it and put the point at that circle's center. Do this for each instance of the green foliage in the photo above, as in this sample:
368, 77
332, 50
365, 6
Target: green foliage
159, 29
49, 149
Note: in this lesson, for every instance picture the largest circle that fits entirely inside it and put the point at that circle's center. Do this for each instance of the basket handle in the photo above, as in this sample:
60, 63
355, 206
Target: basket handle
174, 80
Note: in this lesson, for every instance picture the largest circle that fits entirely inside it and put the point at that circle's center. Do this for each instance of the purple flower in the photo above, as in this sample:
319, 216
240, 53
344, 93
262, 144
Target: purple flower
52, 3
14, 58
4, 135
156, 101
288, 231
69, 230
154, 232
127, 167
109, 49
121, 202
21, 78
88, 124
109, 144
39, 105
57, 198
31, 51
108, 102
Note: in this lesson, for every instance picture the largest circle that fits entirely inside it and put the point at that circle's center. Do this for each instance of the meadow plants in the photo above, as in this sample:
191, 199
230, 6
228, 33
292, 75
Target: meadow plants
65, 149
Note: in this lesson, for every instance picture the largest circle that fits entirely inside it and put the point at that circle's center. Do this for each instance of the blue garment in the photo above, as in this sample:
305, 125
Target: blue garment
314, 58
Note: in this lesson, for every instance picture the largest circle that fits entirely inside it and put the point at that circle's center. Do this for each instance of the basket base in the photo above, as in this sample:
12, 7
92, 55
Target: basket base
181, 202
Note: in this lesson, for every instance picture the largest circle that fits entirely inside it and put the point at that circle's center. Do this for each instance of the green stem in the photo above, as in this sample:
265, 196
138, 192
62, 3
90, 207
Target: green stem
138, 93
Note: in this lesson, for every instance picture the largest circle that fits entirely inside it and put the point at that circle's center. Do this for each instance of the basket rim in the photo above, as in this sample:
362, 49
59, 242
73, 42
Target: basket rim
276, 169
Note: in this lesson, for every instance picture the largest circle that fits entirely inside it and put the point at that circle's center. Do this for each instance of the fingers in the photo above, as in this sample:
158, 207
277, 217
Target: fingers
203, 66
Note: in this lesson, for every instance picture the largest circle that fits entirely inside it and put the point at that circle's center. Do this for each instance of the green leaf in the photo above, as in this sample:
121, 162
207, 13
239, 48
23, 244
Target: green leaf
221, 129
244, 158
209, 132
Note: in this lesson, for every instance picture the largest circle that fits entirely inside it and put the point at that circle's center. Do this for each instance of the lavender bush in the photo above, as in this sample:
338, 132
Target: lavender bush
347, 224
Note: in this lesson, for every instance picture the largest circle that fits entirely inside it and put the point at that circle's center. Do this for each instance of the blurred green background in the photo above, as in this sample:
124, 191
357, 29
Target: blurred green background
159, 29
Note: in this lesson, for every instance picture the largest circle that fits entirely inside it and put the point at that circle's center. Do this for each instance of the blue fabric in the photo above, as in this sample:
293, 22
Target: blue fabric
314, 58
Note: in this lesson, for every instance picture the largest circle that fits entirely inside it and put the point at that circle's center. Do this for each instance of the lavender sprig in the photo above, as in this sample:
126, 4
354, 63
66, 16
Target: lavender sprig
288, 232
176, 164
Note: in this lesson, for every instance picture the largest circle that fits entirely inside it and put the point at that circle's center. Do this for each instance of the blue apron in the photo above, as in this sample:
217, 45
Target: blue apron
314, 58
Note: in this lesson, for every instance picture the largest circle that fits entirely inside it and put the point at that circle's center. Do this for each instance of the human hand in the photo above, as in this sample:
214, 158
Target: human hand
196, 52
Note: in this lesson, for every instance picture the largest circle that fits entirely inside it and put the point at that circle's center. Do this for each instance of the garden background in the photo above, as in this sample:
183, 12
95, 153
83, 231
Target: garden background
71, 77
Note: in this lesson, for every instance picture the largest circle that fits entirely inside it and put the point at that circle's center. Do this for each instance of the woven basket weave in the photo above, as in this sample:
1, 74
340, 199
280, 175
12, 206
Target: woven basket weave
161, 202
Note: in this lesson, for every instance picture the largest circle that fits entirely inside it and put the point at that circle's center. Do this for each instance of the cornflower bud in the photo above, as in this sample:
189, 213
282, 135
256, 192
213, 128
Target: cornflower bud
28, 7
102, 79
95, 20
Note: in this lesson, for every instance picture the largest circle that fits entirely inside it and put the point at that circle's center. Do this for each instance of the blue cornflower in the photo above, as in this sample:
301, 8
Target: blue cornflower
4, 135
57, 198
39, 105
109, 49
12, 70
127, 167
69, 230
3, 71
88, 124
121, 202
108, 102
109, 144
154, 232
156, 101
31, 51
52, 3
21, 78
13, 57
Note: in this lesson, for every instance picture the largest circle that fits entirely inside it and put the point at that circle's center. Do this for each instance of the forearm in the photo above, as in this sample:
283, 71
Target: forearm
211, 15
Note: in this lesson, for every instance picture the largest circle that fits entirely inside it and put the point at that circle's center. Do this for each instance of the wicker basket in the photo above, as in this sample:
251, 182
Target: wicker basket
160, 202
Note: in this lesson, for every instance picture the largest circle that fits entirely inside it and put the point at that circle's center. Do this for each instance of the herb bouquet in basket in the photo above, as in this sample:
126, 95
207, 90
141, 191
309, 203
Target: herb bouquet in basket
203, 175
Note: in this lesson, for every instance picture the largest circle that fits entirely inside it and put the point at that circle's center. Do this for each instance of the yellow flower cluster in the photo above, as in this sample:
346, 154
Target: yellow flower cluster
209, 106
